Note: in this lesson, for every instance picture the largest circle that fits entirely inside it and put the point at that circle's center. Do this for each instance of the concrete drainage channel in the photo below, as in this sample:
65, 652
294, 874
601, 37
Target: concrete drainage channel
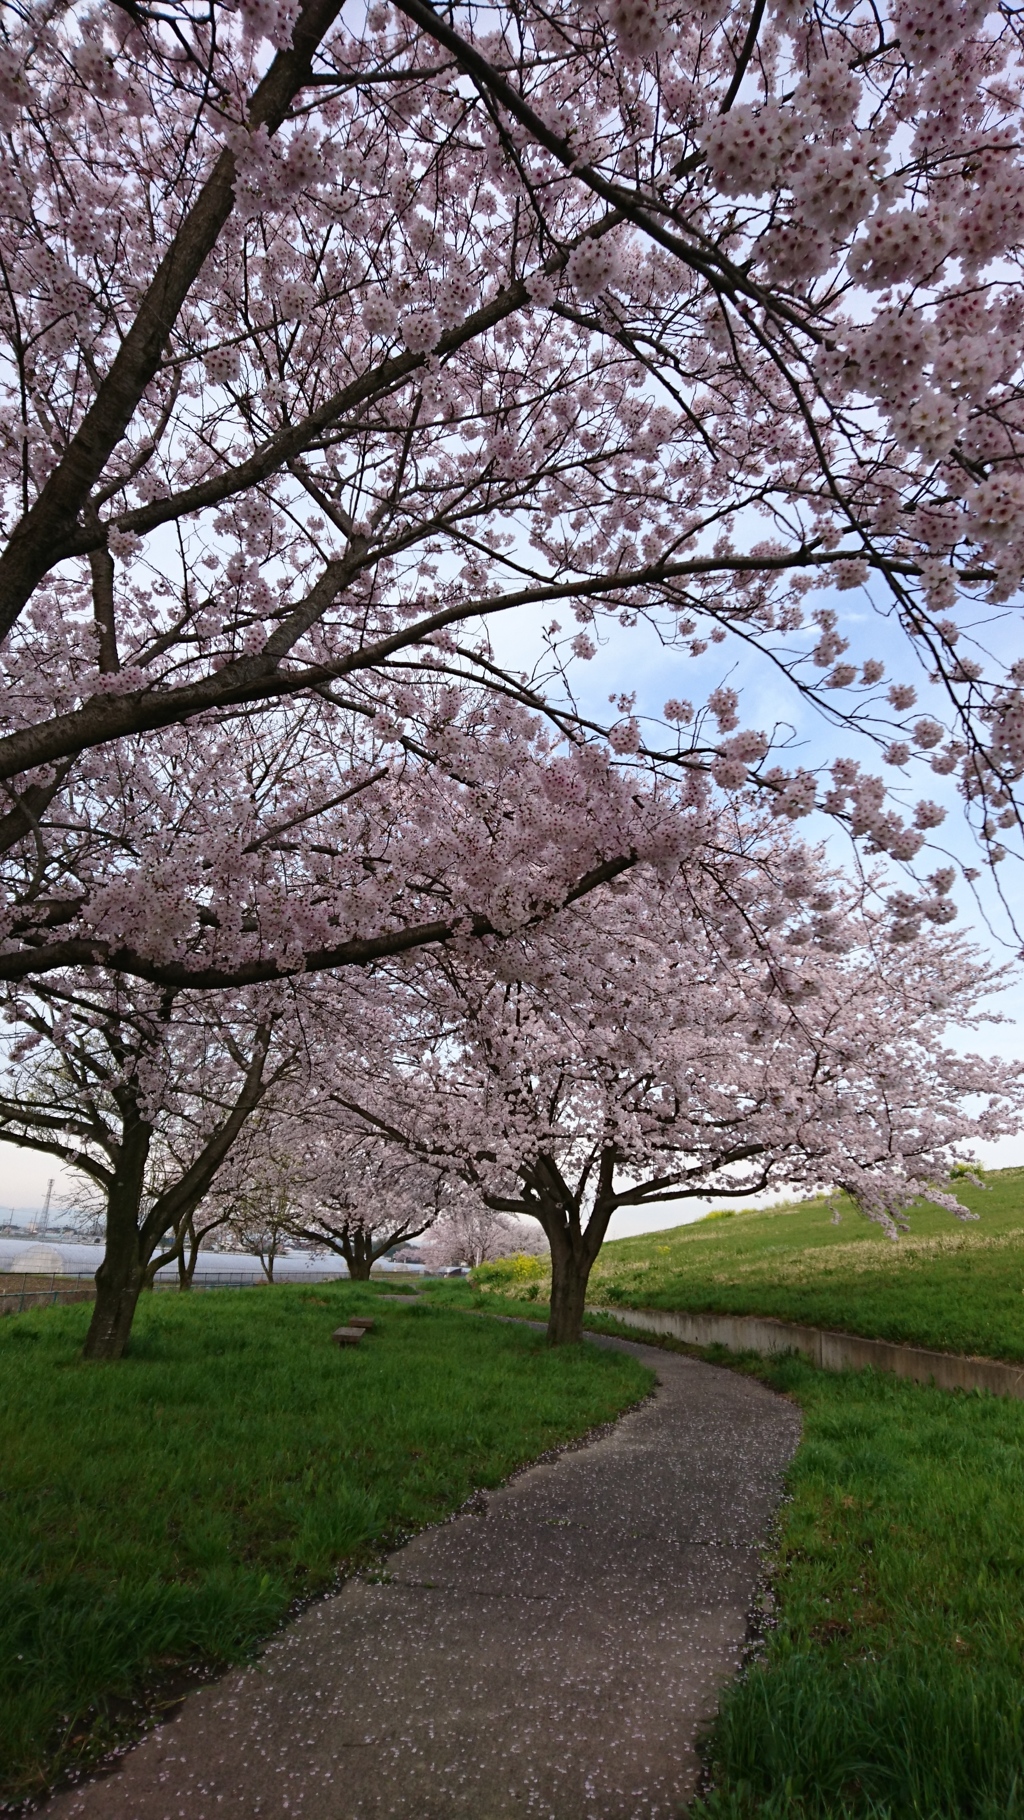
830, 1351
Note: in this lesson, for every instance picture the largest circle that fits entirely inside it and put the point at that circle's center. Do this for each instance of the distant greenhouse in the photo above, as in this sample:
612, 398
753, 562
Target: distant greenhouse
46, 1257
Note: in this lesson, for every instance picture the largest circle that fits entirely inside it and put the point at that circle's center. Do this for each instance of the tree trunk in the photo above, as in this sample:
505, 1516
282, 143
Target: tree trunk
360, 1256
190, 1256
570, 1273
122, 1274
119, 1282
157, 1261
187, 1265
574, 1248
149, 1274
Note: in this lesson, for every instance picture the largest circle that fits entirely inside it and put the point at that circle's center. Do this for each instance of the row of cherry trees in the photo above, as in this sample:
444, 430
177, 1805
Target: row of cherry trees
665, 994
326, 346
656, 1044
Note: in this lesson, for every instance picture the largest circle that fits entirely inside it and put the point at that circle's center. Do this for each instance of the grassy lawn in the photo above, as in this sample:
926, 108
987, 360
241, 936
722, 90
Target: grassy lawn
160, 1516
956, 1287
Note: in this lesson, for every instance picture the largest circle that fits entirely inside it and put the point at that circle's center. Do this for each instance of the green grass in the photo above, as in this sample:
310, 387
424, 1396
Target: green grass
889, 1684
893, 1686
956, 1287
161, 1516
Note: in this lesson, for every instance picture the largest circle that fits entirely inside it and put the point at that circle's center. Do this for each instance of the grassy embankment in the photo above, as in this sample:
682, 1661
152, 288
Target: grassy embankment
892, 1685
160, 1516
956, 1287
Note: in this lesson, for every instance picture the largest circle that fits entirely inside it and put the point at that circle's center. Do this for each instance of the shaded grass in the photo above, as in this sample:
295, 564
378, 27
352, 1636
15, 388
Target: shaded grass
954, 1287
162, 1515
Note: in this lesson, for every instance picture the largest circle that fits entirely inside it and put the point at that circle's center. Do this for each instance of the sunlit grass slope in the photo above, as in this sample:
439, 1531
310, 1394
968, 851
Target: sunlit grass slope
161, 1515
956, 1287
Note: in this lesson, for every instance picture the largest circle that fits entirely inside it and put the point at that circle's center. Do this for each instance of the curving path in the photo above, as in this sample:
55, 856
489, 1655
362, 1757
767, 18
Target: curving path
550, 1655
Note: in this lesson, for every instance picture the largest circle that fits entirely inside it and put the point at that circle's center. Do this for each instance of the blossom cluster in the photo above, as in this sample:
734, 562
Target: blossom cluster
639, 334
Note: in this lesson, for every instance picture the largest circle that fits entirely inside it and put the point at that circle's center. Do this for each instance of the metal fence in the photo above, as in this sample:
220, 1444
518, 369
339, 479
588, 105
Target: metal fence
246, 1279
31, 1291
36, 1292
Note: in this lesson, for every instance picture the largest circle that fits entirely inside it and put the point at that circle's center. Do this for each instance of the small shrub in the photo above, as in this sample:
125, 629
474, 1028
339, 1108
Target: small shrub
508, 1274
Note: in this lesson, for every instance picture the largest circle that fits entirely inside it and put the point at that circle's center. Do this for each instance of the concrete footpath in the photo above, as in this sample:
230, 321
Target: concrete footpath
551, 1654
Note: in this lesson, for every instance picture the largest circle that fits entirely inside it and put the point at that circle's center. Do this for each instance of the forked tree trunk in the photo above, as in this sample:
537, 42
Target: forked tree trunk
155, 1263
190, 1257
131, 1241
187, 1261
359, 1256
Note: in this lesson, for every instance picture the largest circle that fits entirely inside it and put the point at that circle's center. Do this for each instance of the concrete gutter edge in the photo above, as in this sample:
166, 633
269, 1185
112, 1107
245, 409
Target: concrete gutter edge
830, 1351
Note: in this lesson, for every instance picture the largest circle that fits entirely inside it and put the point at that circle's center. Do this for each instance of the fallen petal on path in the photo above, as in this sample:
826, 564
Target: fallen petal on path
552, 1654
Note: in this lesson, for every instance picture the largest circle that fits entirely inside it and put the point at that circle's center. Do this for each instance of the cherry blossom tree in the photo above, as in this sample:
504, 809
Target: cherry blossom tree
259, 1190
474, 1234
144, 1095
361, 1199
229, 856
259, 1218
327, 342
185, 1241
644, 1049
